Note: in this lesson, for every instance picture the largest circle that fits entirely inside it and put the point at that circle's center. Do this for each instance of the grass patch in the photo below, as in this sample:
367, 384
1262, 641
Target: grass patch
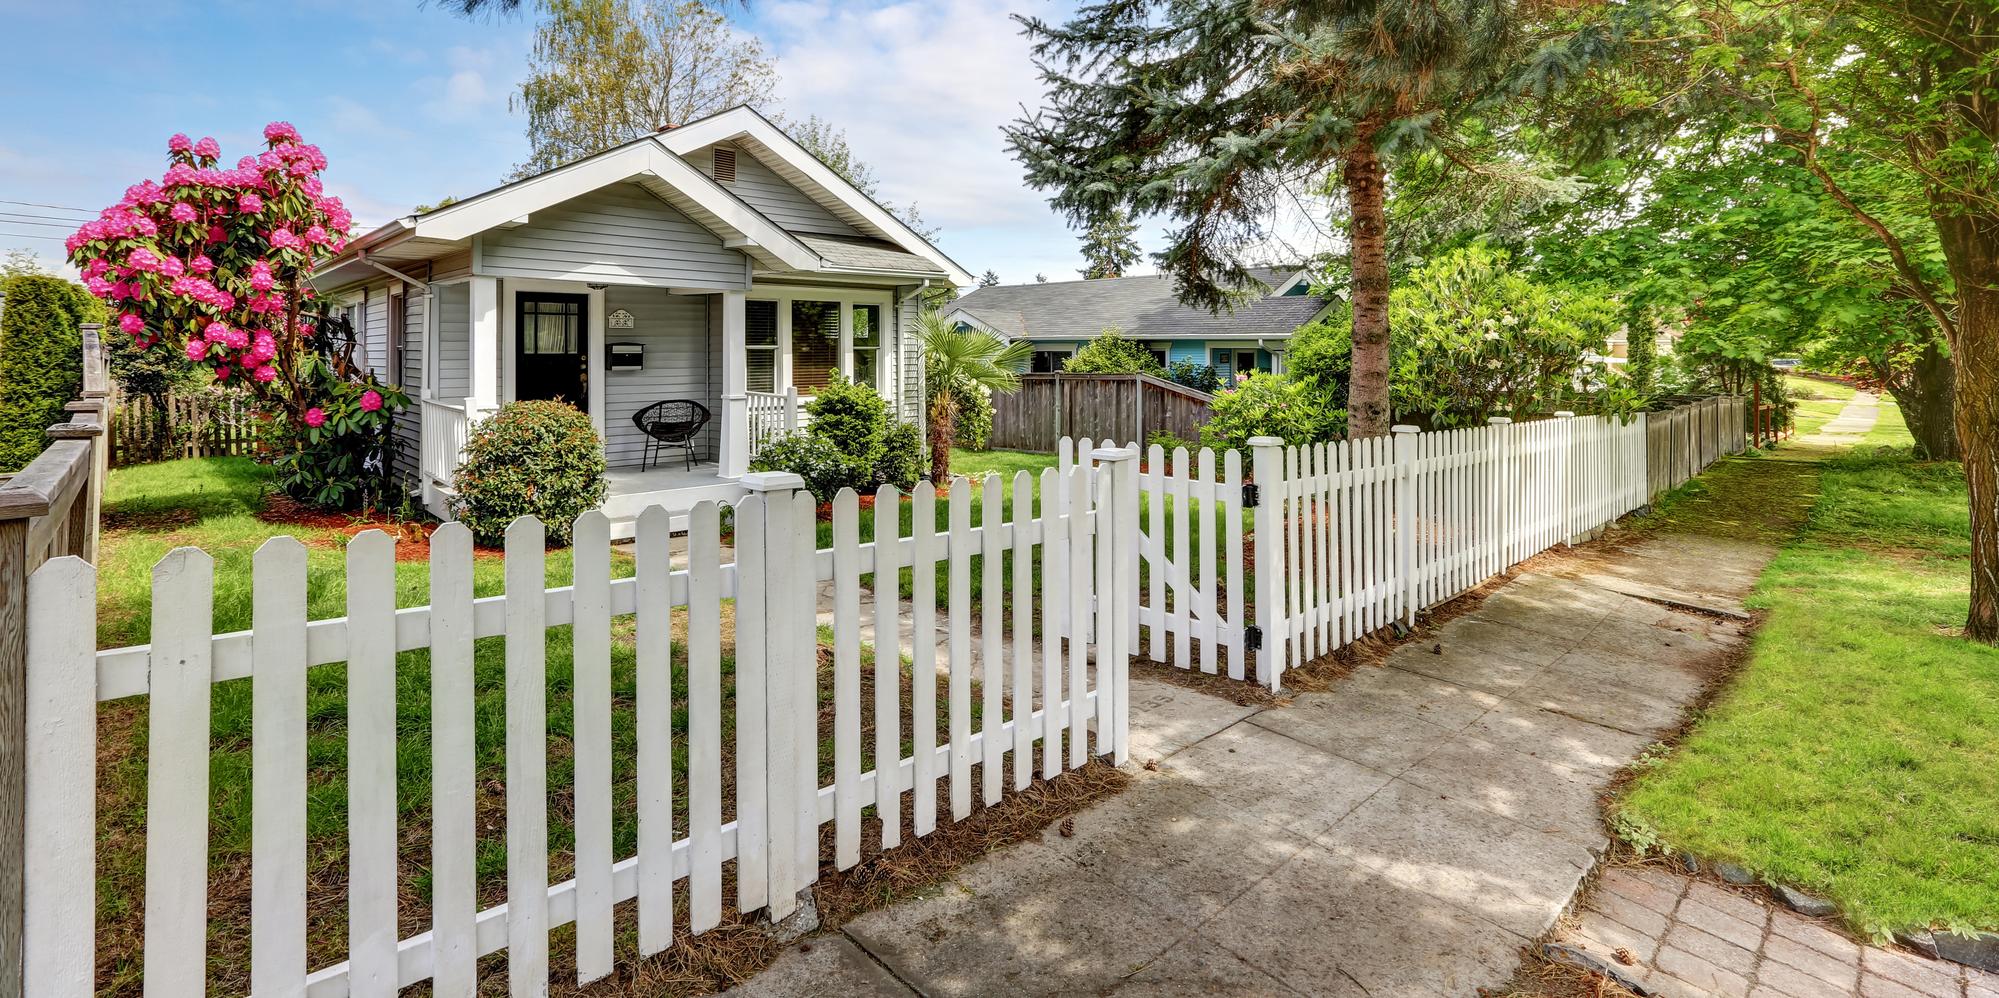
1814, 388
1857, 753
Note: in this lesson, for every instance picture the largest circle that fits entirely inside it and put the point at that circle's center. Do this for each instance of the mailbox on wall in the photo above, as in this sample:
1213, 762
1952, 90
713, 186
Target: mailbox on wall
627, 356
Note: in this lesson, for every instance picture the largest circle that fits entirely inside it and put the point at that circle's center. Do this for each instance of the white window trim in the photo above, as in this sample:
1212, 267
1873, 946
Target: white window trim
510, 289
784, 295
430, 349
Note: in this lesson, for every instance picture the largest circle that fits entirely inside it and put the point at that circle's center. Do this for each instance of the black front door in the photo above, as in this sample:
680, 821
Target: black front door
554, 348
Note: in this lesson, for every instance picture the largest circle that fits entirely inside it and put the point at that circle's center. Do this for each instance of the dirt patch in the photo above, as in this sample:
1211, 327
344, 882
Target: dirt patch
412, 536
151, 520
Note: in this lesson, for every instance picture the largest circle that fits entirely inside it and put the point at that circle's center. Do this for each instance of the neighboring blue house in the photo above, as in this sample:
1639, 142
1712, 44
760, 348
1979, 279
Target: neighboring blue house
1060, 316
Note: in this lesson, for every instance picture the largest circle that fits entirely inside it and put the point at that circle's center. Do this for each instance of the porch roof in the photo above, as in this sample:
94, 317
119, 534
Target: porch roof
873, 255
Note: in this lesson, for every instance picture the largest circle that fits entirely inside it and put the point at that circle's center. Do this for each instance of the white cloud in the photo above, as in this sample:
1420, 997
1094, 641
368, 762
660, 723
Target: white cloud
464, 93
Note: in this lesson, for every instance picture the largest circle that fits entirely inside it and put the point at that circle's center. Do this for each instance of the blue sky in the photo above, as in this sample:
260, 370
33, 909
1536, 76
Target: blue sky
410, 104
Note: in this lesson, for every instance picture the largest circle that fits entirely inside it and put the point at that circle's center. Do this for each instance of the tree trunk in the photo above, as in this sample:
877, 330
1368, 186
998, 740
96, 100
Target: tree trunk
1972, 250
1367, 389
1927, 405
943, 428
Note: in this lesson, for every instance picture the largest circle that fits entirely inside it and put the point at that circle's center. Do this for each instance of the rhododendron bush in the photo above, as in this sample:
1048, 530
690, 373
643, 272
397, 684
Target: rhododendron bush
214, 265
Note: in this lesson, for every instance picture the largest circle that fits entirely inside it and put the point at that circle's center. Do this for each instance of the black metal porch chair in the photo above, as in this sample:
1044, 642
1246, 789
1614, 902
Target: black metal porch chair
672, 423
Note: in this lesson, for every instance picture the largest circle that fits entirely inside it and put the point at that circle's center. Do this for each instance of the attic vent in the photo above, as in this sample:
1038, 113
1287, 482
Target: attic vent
725, 165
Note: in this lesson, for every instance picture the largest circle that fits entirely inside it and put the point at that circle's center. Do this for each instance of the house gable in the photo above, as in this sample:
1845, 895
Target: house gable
620, 234
777, 198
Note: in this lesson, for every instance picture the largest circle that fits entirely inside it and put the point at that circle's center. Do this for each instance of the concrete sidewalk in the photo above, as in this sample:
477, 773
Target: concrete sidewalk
1404, 834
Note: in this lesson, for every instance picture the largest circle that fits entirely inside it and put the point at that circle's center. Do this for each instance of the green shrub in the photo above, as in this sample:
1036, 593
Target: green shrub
817, 460
1167, 441
531, 458
41, 360
973, 427
1270, 405
903, 454
1112, 353
1199, 377
853, 418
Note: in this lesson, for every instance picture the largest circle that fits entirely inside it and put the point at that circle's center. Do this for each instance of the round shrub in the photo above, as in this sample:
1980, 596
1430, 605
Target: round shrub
904, 458
814, 458
852, 417
1270, 405
531, 458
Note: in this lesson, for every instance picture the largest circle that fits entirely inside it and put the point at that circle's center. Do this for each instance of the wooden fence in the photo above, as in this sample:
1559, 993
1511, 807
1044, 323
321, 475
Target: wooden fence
48, 510
1684, 438
196, 424
1049, 407
1053, 689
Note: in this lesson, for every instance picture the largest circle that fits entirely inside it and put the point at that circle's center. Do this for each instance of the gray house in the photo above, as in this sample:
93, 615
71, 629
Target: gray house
716, 262
1060, 316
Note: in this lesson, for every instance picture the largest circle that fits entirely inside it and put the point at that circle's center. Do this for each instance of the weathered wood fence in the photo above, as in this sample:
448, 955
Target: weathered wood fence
1687, 435
213, 423
1061, 686
48, 510
1049, 407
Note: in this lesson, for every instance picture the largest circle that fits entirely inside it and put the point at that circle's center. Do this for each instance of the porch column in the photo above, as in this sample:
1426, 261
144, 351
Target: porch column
484, 395
735, 386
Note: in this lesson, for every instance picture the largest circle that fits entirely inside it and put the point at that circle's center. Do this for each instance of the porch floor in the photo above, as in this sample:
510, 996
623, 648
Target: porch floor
663, 478
673, 486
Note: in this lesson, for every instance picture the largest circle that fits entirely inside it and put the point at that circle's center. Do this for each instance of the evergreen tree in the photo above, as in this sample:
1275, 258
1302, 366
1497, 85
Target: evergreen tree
41, 360
988, 279
1213, 113
1108, 247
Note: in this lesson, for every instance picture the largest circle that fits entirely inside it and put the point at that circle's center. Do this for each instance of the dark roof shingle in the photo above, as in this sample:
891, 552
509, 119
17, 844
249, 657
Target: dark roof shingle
1142, 307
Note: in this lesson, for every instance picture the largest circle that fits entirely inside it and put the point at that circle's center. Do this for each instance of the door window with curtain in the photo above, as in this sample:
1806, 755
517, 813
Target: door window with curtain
815, 344
760, 365
867, 345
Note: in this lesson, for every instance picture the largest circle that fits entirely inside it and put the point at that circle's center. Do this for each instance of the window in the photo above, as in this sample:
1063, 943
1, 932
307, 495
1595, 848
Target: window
761, 339
1048, 361
867, 345
815, 343
549, 326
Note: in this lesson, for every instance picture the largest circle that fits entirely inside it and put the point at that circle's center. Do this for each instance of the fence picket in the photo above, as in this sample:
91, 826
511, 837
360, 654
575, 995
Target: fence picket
1180, 584
590, 717
753, 768
277, 769
1155, 552
176, 942
1080, 564
960, 596
371, 764
846, 679
59, 931
652, 668
1204, 479
1054, 595
527, 757
454, 900
1023, 630
992, 654
888, 664
1232, 528
704, 714
923, 654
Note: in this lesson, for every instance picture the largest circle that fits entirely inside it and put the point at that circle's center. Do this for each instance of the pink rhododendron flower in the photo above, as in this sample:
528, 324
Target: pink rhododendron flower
222, 373
249, 204
197, 349
215, 333
260, 276
315, 417
179, 143
371, 400
264, 374
201, 264
215, 234
207, 148
172, 267
280, 131
132, 323
182, 212
316, 234
142, 259
98, 286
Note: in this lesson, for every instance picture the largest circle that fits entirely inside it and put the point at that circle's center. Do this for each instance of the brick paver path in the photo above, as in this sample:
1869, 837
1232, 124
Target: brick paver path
1662, 933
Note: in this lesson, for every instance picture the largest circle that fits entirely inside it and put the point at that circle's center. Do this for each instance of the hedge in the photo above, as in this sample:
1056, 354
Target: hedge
41, 360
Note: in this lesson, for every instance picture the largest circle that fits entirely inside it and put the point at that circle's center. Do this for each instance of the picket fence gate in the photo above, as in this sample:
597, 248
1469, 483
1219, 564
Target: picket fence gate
1054, 687
1329, 555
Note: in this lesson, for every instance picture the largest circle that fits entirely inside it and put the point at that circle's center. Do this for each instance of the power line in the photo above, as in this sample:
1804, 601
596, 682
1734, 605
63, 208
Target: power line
31, 220
58, 207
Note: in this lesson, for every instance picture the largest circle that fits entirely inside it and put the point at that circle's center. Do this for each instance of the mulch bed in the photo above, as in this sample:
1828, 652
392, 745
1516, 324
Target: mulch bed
412, 536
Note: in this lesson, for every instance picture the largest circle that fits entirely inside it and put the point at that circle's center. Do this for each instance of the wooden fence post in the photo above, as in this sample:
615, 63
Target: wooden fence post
1405, 521
1267, 465
1501, 495
776, 591
1565, 477
1116, 640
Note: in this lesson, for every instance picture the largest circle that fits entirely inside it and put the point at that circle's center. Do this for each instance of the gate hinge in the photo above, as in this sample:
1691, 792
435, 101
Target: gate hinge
1250, 496
1252, 636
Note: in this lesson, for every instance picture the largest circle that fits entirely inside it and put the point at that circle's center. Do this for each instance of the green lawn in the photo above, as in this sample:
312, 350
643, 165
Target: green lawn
1857, 753
1801, 387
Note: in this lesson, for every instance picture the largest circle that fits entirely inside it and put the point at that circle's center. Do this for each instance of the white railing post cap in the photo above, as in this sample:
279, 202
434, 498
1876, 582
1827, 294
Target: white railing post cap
1405, 428
1266, 441
1564, 414
1102, 454
1497, 420
772, 481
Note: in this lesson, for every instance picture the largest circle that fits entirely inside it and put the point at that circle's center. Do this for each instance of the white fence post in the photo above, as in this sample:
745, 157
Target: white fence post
790, 726
1267, 465
1405, 520
1117, 642
1501, 497
1566, 477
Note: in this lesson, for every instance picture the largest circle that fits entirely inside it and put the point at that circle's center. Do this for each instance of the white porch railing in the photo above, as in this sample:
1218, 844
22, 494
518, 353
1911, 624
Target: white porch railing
444, 428
772, 415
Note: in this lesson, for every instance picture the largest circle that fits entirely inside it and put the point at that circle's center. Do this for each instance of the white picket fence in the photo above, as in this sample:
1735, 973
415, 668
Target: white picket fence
1053, 687
1331, 559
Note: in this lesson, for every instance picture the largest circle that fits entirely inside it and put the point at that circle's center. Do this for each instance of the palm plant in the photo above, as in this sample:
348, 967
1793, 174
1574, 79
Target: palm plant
958, 361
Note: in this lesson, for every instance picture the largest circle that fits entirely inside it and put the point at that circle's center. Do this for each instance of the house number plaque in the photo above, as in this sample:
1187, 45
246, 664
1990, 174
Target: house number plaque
621, 319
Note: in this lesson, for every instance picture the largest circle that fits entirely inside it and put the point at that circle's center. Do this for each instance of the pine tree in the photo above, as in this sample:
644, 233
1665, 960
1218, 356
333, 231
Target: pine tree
1108, 247
988, 279
1214, 113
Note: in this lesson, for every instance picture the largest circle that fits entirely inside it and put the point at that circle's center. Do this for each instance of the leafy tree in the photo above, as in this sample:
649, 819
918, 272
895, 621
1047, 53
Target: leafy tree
1040, 278
969, 357
1270, 405
988, 279
21, 262
41, 360
828, 142
605, 72
1111, 353
1199, 377
1108, 247
1214, 113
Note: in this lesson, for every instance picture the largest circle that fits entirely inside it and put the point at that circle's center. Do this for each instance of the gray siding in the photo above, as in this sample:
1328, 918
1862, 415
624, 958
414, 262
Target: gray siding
409, 421
375, 330
774, 196
620, 234
674, 330
454, 340
909, 363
